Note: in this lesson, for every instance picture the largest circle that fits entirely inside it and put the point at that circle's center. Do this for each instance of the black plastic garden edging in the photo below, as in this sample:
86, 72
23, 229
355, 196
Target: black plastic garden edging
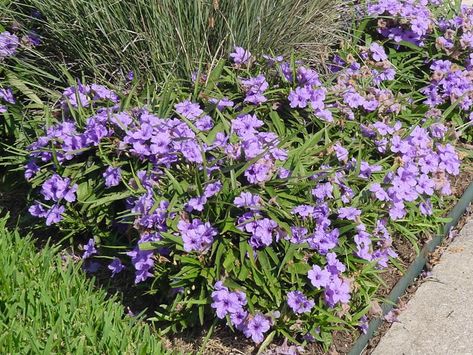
414, 270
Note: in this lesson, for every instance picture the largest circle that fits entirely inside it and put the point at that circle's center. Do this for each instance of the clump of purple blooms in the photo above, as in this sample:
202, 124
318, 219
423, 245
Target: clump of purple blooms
8, 44
217, 179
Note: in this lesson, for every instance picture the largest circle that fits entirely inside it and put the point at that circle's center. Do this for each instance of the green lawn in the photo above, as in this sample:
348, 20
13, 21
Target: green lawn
47, 305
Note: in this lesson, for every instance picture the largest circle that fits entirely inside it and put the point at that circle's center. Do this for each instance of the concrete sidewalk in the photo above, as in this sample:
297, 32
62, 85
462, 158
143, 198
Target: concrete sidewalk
439, 317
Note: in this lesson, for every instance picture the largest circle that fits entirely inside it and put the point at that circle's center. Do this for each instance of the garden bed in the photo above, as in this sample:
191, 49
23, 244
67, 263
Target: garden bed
259, 198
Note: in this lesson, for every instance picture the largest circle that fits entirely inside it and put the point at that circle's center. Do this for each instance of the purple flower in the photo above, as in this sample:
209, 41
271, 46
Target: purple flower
319, 277
240, 55
337, 291
222, 103
256, 327
37, 210
238, 318
188, 109
341, 152
284, 173
379, 192
54, 215
299, 303
260, 171
350, 213
30, 170
57, 188
426, 208
247, 199
425, 185
225, 302
399, 145
254, 88
8, 44
76, 96
246, 125
212, 189
115, 266
307, 76
196, 235
112, 176
205, 123
377, 52
323, 191
353, 99
7, 95
102, 93
263, 233
298, 235
143, 263
366, 169
303, 211
196, 204
299, 97
89, 249
192, 152
334, 266
364, 324
32, 38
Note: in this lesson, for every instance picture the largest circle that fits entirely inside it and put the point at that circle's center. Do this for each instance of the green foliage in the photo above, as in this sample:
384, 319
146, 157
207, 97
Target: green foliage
48, 306
155, 38
183, 280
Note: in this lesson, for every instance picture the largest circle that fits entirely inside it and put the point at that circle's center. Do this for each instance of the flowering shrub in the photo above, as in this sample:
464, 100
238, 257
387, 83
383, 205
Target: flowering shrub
269, 198
437, 40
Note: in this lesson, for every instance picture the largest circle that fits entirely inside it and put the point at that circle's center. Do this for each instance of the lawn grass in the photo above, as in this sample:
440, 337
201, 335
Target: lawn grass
47, 305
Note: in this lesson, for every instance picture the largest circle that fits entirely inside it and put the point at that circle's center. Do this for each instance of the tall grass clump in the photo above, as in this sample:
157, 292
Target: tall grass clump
155, 38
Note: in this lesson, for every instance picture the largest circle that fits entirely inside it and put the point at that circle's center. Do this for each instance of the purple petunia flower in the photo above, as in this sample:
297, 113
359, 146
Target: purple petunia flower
8, 44
222, 103
89, 249
319, 277
337, 291
299, 303
57, 188
426, 208
37, 210
254, 88
196, 235
256, 328
377, 52
115, 266
112, 176
30, 170
247, 199
143, 262
188, 109
350, 213
225, 302
240, 55
6, 95
212, 189
262, 235
205, 123
364, 324
341, 152
196, 204
54, 215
